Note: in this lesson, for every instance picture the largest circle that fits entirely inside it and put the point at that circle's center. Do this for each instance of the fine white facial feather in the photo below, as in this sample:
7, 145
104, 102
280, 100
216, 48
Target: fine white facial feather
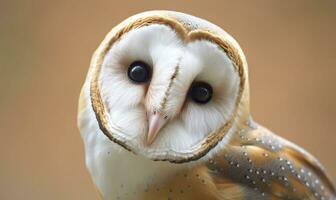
127, 103
116, 172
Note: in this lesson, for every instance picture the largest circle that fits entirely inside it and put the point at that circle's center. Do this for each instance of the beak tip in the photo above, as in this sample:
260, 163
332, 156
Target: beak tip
149, 141
156, 122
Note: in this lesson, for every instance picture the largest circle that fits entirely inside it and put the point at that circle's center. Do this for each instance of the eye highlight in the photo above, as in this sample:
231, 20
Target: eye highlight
139, 72
201, 92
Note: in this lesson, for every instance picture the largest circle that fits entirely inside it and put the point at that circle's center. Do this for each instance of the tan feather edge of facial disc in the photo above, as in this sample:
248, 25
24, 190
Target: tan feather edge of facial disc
187, 35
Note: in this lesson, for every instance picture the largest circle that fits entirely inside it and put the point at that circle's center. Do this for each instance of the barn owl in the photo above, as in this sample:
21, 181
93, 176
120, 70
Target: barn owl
164, 114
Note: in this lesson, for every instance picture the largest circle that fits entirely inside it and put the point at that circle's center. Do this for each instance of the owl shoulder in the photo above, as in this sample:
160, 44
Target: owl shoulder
258, 164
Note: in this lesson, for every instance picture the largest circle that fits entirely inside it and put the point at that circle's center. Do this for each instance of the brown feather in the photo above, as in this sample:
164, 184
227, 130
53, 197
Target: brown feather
270, 166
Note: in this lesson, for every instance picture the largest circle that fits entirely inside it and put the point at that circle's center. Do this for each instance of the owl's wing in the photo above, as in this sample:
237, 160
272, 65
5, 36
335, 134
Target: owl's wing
261, 165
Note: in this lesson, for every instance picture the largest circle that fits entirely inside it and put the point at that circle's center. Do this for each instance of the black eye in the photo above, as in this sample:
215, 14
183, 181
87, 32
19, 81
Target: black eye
201, 92
139, 72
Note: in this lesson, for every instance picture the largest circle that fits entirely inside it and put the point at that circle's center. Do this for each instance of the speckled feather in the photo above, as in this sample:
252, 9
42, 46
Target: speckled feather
266, 166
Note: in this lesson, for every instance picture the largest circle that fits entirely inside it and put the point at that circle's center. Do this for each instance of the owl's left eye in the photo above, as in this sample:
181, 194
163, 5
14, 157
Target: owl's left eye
201, 92
139, 72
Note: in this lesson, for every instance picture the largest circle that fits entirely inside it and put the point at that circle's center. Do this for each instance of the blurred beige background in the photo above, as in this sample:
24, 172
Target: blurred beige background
45, 49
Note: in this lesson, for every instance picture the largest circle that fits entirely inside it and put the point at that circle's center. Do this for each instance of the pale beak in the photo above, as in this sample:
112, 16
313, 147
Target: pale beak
155, 123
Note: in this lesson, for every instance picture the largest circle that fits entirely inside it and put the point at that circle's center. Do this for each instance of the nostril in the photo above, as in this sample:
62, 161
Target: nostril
165, 117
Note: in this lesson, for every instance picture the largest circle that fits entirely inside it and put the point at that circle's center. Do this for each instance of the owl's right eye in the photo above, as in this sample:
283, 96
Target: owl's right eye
139, 72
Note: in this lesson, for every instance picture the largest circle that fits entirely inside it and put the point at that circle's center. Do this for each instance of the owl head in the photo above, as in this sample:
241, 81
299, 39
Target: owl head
168, 86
